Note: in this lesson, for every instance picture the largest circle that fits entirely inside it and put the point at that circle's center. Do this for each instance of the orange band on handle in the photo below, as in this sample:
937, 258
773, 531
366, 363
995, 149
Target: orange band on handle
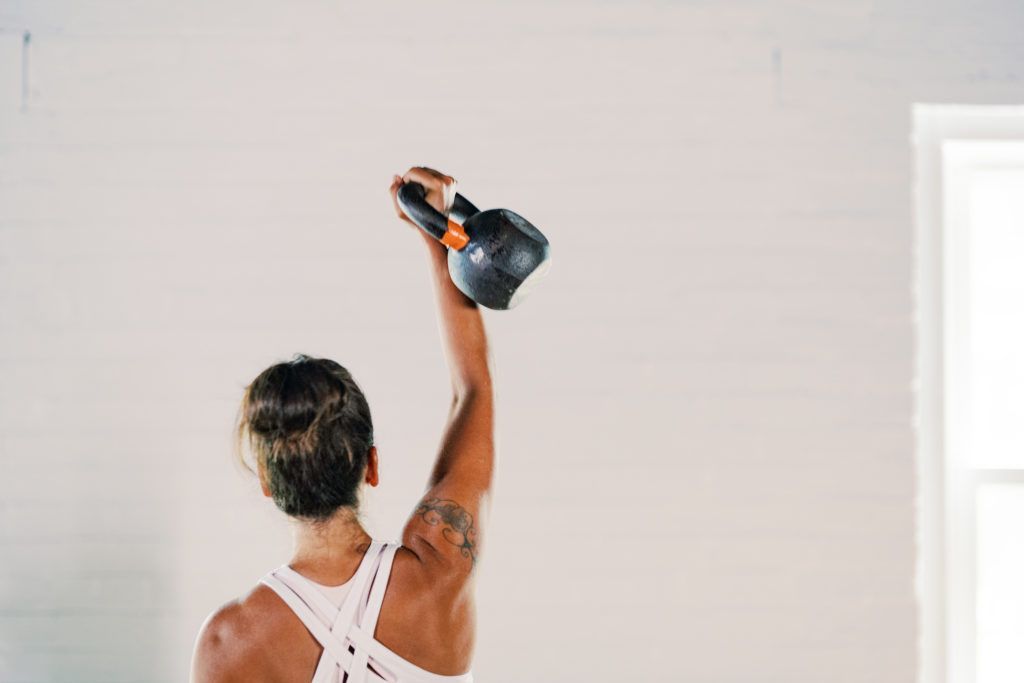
456, 237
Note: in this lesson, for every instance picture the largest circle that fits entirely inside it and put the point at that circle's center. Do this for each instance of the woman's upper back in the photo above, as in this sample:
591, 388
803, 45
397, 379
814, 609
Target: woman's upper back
402, 620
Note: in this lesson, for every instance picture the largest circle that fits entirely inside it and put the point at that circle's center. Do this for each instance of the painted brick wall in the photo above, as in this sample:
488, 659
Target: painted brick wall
705, 432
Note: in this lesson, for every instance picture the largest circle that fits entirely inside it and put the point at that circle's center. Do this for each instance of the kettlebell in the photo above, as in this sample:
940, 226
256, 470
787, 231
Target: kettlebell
495, 257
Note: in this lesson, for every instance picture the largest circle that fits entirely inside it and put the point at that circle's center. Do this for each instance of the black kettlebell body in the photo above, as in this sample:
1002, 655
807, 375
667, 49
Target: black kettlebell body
495, 257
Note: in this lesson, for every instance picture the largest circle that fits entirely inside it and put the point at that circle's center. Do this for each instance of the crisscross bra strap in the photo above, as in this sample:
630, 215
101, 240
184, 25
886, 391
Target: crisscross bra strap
300, 597
333, 646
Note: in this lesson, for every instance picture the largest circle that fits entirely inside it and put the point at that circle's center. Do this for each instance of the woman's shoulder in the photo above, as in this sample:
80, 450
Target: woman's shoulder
240, 638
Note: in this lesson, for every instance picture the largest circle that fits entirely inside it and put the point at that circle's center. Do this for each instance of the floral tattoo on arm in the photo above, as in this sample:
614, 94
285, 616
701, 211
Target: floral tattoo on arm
458, 524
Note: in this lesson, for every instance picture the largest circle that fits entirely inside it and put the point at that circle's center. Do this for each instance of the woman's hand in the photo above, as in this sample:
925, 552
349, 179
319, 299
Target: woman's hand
440, 189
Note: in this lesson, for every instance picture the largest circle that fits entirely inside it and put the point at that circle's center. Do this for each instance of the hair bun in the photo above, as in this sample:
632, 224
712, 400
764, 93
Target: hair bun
282, 424
310, 430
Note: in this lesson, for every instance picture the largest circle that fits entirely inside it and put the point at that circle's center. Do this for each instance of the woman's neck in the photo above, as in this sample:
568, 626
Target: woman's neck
328, 552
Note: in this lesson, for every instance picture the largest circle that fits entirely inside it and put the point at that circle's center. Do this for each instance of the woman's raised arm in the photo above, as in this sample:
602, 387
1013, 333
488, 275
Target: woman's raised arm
446, 528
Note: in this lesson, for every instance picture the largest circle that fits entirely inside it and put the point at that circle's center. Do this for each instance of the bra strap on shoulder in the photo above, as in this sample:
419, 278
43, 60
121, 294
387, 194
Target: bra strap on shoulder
360, 661
350, 607
380, 584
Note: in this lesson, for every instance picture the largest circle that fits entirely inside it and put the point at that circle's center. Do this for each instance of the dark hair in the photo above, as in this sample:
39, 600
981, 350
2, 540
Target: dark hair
309, 427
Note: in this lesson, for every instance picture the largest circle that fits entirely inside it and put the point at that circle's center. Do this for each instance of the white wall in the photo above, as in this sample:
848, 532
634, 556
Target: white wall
706, 447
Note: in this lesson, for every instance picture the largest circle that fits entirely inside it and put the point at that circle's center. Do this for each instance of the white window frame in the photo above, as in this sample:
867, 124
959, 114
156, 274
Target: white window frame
949, 142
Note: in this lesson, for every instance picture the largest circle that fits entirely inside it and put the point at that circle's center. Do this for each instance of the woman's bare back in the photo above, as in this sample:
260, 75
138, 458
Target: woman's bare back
426, 619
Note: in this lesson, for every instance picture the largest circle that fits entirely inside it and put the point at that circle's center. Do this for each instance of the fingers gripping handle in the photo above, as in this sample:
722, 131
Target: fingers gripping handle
412, 198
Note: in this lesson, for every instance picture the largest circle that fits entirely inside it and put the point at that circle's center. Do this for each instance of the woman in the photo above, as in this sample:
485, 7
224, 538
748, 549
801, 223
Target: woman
346, 607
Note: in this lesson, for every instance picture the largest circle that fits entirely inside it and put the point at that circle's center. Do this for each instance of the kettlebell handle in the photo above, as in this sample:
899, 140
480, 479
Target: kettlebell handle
412, 198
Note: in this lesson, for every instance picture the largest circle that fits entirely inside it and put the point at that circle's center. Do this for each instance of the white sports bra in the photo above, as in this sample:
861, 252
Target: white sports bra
345, 626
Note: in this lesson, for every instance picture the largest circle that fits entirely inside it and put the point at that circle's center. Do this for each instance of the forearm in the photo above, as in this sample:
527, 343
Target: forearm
463, 336
464, 469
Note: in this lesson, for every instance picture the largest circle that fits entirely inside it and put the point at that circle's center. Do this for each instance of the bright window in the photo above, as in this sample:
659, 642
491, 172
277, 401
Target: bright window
971, 392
